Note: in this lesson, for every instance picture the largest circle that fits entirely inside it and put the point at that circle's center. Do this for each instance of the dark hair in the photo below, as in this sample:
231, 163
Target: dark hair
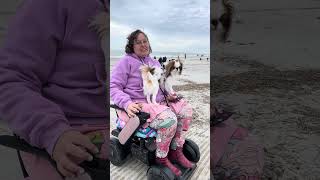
133, 36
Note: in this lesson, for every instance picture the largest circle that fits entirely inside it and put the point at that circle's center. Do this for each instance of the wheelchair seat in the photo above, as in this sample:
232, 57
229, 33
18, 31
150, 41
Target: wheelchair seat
141, 132
142, 146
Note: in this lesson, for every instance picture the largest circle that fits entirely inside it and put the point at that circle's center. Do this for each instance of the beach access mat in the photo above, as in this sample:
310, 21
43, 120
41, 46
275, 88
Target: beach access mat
135, 169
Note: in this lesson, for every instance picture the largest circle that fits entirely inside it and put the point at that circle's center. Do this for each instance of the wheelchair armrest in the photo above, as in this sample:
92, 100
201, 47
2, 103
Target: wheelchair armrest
143, 116
116, 107
97, 168
131, 126
19, 144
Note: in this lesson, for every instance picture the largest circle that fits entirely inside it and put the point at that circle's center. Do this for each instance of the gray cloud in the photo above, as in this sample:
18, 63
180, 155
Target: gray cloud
188, 19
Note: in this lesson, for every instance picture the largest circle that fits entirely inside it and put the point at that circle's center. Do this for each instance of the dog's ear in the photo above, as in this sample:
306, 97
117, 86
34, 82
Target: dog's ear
169, 67
152, 70
180, 68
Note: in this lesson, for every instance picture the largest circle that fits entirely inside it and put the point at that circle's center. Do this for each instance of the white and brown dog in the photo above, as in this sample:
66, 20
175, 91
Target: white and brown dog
151, 77
172, 69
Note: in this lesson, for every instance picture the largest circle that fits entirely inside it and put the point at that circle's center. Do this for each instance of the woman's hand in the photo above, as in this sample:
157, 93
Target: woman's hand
133, 108
172, 97
71, 149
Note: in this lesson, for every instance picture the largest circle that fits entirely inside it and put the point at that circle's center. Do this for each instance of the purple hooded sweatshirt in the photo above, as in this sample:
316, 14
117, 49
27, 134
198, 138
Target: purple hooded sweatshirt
52, 72
126, 85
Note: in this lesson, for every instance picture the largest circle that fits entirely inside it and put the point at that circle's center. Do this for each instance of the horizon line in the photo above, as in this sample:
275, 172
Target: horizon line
169, 51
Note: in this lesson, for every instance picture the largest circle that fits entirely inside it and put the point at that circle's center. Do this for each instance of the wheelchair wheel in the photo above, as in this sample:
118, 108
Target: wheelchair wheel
117, 152
160, 173
191, 151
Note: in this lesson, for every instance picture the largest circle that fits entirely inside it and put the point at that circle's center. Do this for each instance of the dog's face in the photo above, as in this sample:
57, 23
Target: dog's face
174, 67
156, 72
178, 66
221, 19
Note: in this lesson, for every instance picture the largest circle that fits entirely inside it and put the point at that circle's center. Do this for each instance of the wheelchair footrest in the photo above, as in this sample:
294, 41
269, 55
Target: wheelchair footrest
142, 154
186, 173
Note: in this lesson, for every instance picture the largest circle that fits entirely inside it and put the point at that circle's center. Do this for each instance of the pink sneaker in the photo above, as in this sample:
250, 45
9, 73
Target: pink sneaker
165, 162
178, 156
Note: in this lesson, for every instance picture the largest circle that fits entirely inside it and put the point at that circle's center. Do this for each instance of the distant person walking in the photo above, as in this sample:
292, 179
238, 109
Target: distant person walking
164, 59
160, 60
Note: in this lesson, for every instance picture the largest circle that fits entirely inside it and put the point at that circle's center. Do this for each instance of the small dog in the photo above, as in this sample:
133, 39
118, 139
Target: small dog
172, 69
151, 77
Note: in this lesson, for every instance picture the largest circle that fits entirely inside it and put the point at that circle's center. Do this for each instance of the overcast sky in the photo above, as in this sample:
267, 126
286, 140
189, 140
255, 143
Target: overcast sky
171, 25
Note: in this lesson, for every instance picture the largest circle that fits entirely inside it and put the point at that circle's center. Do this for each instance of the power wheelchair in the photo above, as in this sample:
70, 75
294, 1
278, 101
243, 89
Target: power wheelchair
143, 148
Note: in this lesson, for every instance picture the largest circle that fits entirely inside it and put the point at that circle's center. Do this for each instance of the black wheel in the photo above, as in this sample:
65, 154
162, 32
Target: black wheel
160, 173
191, 151
117, 152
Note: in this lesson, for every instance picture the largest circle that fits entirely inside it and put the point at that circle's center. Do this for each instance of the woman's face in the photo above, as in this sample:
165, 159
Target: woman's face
141, 46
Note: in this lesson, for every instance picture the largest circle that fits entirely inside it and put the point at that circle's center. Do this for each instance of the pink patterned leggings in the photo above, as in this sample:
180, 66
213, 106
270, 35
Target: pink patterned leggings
172, 125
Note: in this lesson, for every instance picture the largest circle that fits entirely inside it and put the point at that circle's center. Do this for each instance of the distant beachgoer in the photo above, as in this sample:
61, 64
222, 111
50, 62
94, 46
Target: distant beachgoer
160, 60
164, 59
185, 56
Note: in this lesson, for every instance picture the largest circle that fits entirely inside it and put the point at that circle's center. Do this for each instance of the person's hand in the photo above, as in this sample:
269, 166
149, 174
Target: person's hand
133, 108
70, 150
172, 97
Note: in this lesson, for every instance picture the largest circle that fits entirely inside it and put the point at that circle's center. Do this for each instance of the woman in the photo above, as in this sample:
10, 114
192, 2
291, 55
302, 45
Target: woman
126, 91
52, 84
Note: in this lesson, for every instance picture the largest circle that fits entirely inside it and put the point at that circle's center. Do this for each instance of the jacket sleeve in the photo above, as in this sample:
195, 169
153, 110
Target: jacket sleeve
118, 81
26, 60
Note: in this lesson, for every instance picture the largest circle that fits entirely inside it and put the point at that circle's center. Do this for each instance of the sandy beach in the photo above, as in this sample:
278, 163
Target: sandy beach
194, 86
268, 74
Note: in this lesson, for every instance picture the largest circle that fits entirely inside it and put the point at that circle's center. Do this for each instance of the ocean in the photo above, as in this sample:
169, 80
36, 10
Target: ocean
116, 54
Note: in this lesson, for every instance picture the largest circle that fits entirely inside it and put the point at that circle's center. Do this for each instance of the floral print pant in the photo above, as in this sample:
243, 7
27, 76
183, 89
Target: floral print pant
172, 125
